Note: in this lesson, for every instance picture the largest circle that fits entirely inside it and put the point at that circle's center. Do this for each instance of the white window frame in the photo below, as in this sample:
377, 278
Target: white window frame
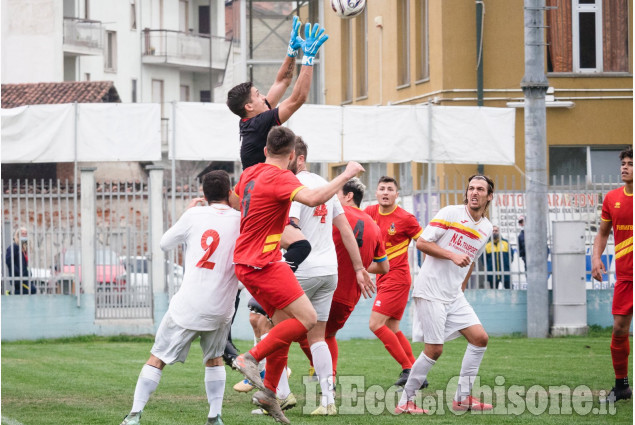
576, 9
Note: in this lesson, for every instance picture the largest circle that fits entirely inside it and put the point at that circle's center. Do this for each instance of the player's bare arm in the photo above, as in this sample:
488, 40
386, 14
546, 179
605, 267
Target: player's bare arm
319, 195
431, 248
382, 267
315, 37
291, 234
467, 278
348, 239
599, 244
285, 73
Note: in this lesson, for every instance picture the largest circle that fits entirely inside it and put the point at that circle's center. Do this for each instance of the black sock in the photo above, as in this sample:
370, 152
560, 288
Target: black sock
297, 253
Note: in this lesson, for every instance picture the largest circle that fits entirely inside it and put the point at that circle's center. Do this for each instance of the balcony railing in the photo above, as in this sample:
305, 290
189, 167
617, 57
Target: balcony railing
83, 36
186, 50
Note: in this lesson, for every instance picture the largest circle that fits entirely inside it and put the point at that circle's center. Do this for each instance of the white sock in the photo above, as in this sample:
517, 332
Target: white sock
418, 374
263, 362
215, 387
146, 384
283, 390
323, 364
469, 369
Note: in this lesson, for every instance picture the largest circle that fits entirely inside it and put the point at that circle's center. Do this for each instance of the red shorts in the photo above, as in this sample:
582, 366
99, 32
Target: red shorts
337, 317
623, 298
391, 300
274, 286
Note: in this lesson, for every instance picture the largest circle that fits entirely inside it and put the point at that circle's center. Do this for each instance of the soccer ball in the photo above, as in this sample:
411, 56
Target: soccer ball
347, 9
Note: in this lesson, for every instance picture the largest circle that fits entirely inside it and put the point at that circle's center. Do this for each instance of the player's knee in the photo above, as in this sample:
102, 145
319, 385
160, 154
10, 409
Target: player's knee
308, 319
433, 351
253, 320
481, 340
216, 361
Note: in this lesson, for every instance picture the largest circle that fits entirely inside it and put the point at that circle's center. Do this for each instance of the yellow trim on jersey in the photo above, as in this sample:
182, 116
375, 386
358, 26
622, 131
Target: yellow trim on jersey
622, 244
623, 252
273, 238
418, 234
398, 253
624, 248
627, 194
603, 219
295, 192
269, 247
397, 247
388, 213
457, 226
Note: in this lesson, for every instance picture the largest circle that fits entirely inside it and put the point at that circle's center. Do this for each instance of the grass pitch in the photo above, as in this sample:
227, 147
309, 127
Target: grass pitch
91, 380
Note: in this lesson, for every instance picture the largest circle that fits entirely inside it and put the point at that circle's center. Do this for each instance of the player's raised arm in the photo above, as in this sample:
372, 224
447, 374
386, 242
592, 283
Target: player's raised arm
315, 37
319, 195
285, 73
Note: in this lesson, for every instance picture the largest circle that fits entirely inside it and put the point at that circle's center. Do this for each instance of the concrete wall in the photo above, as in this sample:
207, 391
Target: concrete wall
55, 316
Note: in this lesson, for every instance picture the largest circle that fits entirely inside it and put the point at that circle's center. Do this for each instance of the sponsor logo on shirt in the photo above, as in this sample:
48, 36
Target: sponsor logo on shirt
391, 229
617, 205
624, 227
463, 221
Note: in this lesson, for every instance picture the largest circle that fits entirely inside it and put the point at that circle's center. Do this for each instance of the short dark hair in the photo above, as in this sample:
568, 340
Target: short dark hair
238, 97
300, 147
216, 186
280, 141
357, 188
388, 179
627, 153
490, 186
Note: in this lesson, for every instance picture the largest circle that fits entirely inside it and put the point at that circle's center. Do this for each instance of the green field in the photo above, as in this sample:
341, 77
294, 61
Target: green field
91, 380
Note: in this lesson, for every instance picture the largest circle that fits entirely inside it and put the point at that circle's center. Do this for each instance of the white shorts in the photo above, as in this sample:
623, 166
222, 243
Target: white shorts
437, 322
172, 342
320, 290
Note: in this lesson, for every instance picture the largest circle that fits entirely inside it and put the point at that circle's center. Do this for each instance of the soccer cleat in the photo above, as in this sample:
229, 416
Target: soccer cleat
216, 420
312, 375
243, 386
329, 410
403, 378
267, 400
248, 366
259, 411
424, 385
132, 419
617, 394
287, 403
470, 403
410, 408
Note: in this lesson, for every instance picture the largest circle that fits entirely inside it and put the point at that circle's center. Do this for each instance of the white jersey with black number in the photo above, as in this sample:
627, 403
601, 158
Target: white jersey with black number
317, 227
453, 229
205, 300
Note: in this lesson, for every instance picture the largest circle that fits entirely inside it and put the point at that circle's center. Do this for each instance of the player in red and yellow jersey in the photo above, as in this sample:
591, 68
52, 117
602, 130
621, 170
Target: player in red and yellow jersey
398, 227
371, 249
265, 192
617, 212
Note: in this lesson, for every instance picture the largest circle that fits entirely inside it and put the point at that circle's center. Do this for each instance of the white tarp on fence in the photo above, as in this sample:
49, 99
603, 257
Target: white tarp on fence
209, 131
105, 132
362, 133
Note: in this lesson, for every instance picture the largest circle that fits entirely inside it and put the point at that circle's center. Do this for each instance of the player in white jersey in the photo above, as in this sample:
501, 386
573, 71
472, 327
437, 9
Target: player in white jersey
453, 240
317, 274
204, 304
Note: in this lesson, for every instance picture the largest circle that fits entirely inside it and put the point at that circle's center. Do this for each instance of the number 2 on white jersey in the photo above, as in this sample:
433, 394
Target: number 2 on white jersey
209, 249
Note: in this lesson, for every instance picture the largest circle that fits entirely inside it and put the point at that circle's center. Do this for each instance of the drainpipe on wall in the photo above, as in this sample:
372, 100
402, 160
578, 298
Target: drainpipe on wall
480, 12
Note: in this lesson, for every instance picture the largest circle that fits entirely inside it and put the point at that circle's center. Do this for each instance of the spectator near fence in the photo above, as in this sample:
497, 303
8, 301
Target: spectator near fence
17, 261
498, 257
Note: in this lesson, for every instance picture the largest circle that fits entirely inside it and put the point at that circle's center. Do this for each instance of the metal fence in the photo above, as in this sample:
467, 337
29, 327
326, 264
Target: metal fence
49, 212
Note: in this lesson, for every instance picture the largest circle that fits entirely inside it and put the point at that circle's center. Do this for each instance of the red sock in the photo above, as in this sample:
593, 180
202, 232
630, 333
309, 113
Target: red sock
304, 344
391, 342
279, 336
276, 362
620, 349
332, 343
405, 344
